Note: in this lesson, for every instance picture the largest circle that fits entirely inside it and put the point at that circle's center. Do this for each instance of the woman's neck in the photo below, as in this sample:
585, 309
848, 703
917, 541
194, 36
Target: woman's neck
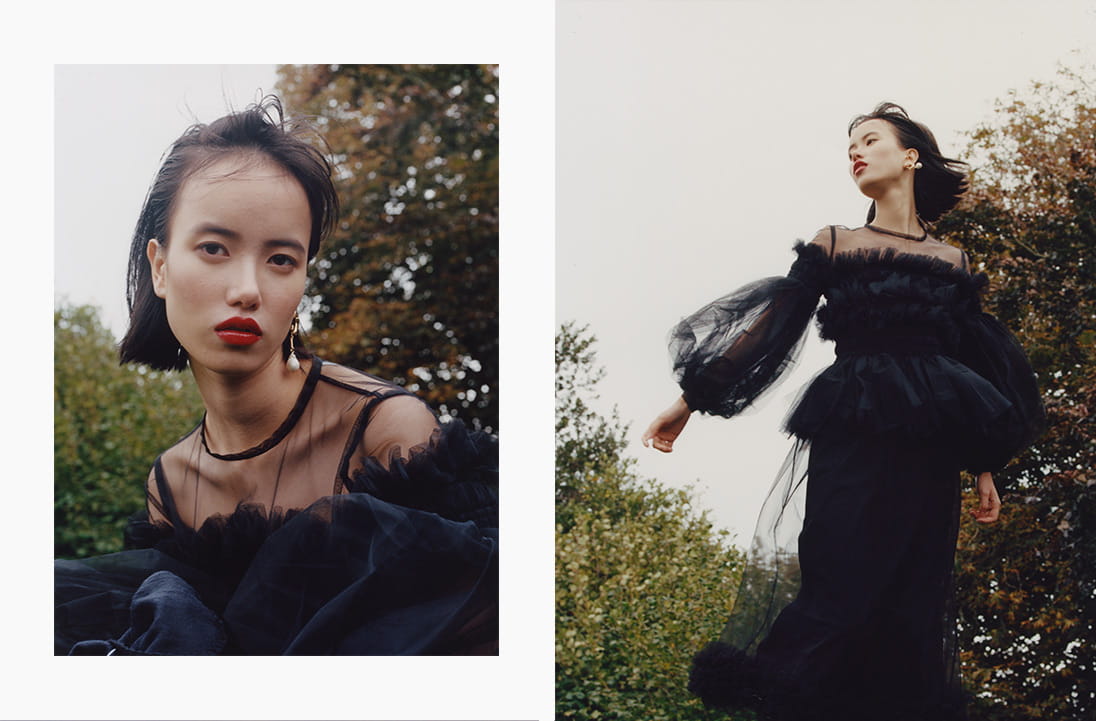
243, 411
896, 210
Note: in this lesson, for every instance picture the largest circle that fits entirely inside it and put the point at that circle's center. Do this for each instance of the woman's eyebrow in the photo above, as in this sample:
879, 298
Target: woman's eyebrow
214, 229
284, 243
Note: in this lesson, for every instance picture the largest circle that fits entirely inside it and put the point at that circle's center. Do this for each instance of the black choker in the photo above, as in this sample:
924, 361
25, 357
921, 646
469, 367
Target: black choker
896, 234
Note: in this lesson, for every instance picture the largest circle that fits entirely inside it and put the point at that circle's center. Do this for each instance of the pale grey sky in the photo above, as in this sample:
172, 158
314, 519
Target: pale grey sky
698, 140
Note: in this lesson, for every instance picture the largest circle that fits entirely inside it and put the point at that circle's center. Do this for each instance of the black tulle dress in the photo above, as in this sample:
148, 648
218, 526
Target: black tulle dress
351, 541
845, 607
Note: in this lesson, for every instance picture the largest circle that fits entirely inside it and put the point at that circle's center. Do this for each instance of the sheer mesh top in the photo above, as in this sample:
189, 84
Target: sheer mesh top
864, 240
341, 418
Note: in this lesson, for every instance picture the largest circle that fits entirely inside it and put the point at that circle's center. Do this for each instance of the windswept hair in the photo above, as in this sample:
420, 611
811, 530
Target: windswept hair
940, 182
261, 130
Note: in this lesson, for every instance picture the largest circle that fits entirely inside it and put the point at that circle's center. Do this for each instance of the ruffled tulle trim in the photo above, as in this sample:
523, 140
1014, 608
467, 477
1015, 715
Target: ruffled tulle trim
881, 288
728, 679
223, 547
862, 258
811, 263
350, 574
725, 677
456, 476
919, 395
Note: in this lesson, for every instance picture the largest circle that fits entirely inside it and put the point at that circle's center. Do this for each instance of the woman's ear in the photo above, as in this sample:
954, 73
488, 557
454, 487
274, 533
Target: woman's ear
157, 259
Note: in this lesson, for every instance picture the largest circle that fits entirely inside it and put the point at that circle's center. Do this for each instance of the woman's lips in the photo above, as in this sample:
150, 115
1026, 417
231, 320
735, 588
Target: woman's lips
858, 166
239, 331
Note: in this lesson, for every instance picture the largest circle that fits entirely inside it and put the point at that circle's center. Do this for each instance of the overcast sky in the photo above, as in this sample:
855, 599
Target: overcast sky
698, 140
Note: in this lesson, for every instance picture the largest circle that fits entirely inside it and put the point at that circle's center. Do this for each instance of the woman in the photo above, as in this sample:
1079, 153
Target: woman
857, 624
315, 509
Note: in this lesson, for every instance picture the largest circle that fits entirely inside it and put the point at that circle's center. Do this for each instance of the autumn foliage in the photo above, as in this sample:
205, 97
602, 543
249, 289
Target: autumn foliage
1028, 584
407, 286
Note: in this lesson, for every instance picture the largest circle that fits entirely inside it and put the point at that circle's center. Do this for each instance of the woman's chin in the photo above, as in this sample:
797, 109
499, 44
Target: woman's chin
232, 361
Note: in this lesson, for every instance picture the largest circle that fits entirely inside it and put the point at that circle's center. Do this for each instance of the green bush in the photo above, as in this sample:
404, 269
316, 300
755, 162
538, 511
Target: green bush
110, 423
643, 580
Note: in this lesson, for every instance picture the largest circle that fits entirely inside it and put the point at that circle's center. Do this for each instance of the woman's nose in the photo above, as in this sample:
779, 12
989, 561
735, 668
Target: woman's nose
243, 288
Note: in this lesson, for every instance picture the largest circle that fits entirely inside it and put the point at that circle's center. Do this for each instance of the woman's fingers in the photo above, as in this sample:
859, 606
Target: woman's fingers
989, 507
653, 437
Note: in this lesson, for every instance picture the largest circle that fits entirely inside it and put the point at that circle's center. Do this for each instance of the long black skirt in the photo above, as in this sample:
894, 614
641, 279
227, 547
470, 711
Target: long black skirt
859, 622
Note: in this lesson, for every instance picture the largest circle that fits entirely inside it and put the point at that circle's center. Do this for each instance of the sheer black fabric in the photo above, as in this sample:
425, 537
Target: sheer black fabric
988, 348
379, 537
845, 608
730, 351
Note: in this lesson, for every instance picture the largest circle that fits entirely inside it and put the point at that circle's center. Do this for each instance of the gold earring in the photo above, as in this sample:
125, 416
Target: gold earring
292, 363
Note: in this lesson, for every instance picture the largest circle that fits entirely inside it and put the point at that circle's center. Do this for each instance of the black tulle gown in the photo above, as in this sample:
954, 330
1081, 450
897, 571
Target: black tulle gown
334, 552
844, 610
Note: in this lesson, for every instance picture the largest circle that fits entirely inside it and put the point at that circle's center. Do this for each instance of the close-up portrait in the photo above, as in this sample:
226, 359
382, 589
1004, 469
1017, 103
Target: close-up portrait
276, 360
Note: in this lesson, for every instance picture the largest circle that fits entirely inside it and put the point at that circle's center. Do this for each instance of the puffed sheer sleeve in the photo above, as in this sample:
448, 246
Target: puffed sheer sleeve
990, 350
730, 351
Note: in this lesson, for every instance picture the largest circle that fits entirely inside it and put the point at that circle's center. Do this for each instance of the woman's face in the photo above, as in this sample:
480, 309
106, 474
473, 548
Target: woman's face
233, 271
876, 157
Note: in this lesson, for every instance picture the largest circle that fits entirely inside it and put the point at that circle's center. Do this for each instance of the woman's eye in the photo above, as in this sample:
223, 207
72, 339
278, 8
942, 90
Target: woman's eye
212, 249
283, 260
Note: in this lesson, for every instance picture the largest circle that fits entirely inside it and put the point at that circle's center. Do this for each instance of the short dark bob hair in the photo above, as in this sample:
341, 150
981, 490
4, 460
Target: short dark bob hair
940, 182
260, 129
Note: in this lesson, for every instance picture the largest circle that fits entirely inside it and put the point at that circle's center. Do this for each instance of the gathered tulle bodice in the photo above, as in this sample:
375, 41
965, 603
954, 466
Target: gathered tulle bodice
915, 352
892, 295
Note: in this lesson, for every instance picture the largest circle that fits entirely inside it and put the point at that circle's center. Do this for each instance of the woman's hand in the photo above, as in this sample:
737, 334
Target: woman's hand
989, 507
665, 429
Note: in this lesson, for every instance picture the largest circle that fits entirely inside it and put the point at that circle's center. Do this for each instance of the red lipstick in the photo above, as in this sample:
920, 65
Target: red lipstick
858, 166
239, 331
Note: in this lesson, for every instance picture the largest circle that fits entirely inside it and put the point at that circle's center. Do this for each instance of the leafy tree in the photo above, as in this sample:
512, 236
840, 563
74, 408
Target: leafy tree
643, 580
585, 442
407, 287
110, 423
1028, 584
